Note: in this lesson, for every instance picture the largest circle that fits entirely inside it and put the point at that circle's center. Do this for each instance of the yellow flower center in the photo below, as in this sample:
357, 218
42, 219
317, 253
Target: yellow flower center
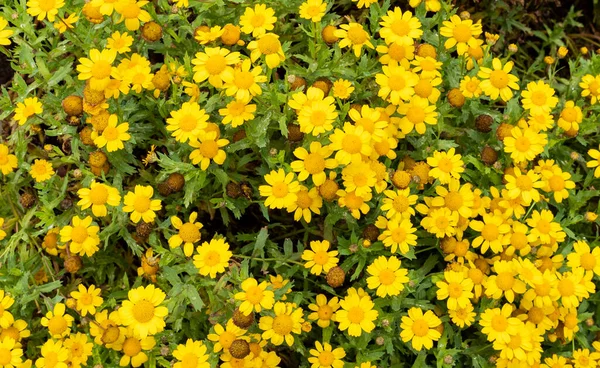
141, 204
476, 276
111, 133
215, 64
524, 183
313, 11
111, 334
442, 222
569, 114
357, 35
515, 342
420, 327
566, 287
243, 80
226, 339
518, 240
212, 258
76, 349
454, 289
47, 5
304, 200
462, 33
505, 281
571, 321
189, 233
57, 325
131, 11
98, 195
499, 79
236, 108
353, 201
356, 315
325, 312
11, 332
101, 69
5, 357
283, 324
453, 201
396, 52
427, 65
461, 249
387, 277
557, 183
401, 203
536, 315
143, 311
472, 86
50, 359
321, 258
3, 159
542, 289
257, 20
445, 165
490, 232
396, 82
79, 234
543, 226
280, 190
594, 88
86, 299
538, 98
522, 144
318, 117
39, 168
423, 88
326, 358
499, 323
188, 122
398, 235
314, 163
360, 179
254, 295
190, 360
132, 346
351, 143
268, 44
209, 149
588, 261
400, 27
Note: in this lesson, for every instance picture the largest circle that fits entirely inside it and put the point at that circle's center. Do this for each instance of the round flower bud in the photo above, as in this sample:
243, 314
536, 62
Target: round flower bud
92, 13
401, 179
143, 229
371, 232
294, 133
151, 31
425, 50
85, 135
323, 84
503, 131
97, 159
239, 349
335, 277
328, 35
328, 190
296, 82
483, 123
380, 340
176, 182
72, 263
231, 34
27, 200
241, 320
73, 105
456, 98
489, 155
233, 190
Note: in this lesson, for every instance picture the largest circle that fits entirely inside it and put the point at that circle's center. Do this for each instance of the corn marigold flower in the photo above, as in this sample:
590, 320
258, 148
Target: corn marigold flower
212, 258
132, 13
63, 24
430, 5
590, 86
426, 67
570, 117
83, 237
557, 182
420, 328
398, 203
212, 63
357, 313
237, 112
441, 222
318, 258
107, 331
370, 120
258, 20
497, 81
456, 289
79, 348
313, 10
524, 185
5, 34
359, 177
462, 316
208, 147
255, 297
313, 163
224, 337
543, 229
350, 143
317, 116
387, 276
287, 321
524, 144
8, 161
538, 98
445, 165
97, 196
188, 233
396, 52
354, 203
267, 44
281, 189
398, 234
119, 42
87, 299
6, 301
193, 354
470, 87
243, 82
498, 325
325, 356
113, 135
460, 33
26, 109
307, 202
41, 170
400, 27
323, 310
53, 354
12, 353
584, 257
505, 282
595, 154
418, 113
205, 34
396, 83
342, 89
363, 4
105, 7
494, 232
43, 9
187, 123
354, 35
133, 348
140, 204
97, 68
142, 311
57, 322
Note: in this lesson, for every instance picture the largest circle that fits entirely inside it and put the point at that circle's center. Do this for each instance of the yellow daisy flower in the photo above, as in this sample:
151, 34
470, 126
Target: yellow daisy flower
132, 13
557, 182
63, 24
140, 204
212, 258
11, 353
591, 87
105, 7
505, 282
363, 4
313, 10
524, 185
427, 67
595, 154
350, 144
189, 233
41, 170
208, 148
43, 9
287, 321
133, 349
386, 276
317, 115
187, 123
4, 33
418, 113
524, 144
79, 348
357, 313
493, 232
460, 33
97, 68
325, 356
307, 201
456, 288
8, 162
445, 165
359, 178
106, 330
498, 82
242, 82
53, 354
258, 20
342, 88
313, 163
143, 311
538, 98
323, 310
191, 355
470, 87
584, 257
498, 325
97, 196
26, 109
237, 112
212, 63
255, 297
119, 42
319, 259
353, 35
57, 322
463, 316
87, 299
544, 230
223, 337
267, 44
400, 27
281, 189
420, 328
441, 222
570, 117
399, 203
204, 34
113, 135
398, 234
396, 83
82, 235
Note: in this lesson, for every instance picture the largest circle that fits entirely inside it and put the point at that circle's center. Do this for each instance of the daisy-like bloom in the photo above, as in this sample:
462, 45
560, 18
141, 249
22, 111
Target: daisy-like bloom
570, 117
396, 52
140, 204
441, 222
113, 135
355, 203
445, 165
470, 87
323, 310
79, 348
43, 9
4, 33
307, 201
364, 4
258, 20
211, 64
584, 257
188, 122
65, 23
188, 233
342, 89
460, 33
57, 322
26, 109
313, 163
359, 177
583, 358
353, 35
396, 83
524, 144
317, 115
223, 337
498, 82
572, 287
255, 297
538, 98
267, 44
350, 143
398, 234
356, 314
54, 354
544, 229
591, 87
524, 185
319, 259
87, 299
543, 291
420, 328
399, 27
8, 161
41, 170
399, 203
556, 361
237, 112
133, 348
505, 282
313, 10
498, 324
143, 311
106, 330
242, 82
82, 235
281, 189
212, 258
595, 154
97, 196
427, 67
456, 198
387, 276
105, 7
462, 316
208, 148
132, 13
300, 99
493, 232
191, 355
371, 121
557, 182
287, 321
10, 353
456, 288
6, 301
325, 356
205, 34
119, 42
97, 68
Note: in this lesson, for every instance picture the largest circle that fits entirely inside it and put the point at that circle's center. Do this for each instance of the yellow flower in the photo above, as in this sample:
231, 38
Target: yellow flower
26, 109
4, 33
462, 316
430, 6
281, 189
212, 258
57, 322
242, 82
355, 203
570, 117
418, 113
11, 353
397, 83
441, 222
106, 330
318, 259
307, 201
188, 122
143, 311
387, 276
351, 143
460, 33
314, 163
237, 112
208, 147
356, 314
318, 114
583, 358
542, 291
54, 354
98, 68
79, 348
324, 356
105, 7
97, 196
557, 182
87, 299
113, 135
445, 165
427, 67
133, 348
119, 42
323, 310
313, 10
43, 9
132, 13
399, 203
591, 87
493, 232
524, 185
353, 35
258, 20
6, 301
223, 337
267, 44
498, 82
359, 177
470, 87
140, 204
191, 355
212, 63
595, 154
205, 35
287, 321
400, 27
8, 162
398, 234
342, 88
505, 282
420, 328
255, 297
543, 229
41, 170
498, 324
189, 233
456, 288
83, 237
363, 4
538, 98
62, 24
524, 144
582, 256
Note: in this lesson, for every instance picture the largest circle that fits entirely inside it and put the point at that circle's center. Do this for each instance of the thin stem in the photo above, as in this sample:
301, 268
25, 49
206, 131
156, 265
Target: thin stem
269, 259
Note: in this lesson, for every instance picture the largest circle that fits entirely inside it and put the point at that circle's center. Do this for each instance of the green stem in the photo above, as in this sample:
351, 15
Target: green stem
269, 259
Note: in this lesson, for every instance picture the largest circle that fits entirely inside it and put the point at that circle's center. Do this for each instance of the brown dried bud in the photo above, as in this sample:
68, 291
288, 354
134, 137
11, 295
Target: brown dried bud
489, 155
371, 232
73, 105
176, 182
335, 277
72, 263
233, 190
239, 349
294, 133
241, 320
27, 200
143, 229
483, 123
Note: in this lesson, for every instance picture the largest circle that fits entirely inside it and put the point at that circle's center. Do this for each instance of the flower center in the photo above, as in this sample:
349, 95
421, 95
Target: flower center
353, 201
5, 357
79, 234
244, 80
131, 11
542, 289
325, 312
518, 240
314, 163
86, 299
522, 144
280, 190
454, 290
268, 44
321, 258
356, 315
569, 114
515, 342
209, 149
401, 204
326, 358
396, 82
188, 122
543, 226
254, 295
283, 324
445, 165
212, 258
566, 287
499, 323
557, 183
47, 5
398, 235
536, 315
442, 222
387, 277
571, 321
98, 195
462, 33
499, 79
143, 311
490, 232
257, 20
190, 360
303, 200
420, 327
505, 281
524, 183
141, 204
453, 201
132, 346
318, 117
538, 98
11, 332
215, 64
357, 35
396, 52
101, 69
111, 133
236, 108
588, 261
423, 88
189, 233
351, 143
57, 325
111, 334
400, 27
